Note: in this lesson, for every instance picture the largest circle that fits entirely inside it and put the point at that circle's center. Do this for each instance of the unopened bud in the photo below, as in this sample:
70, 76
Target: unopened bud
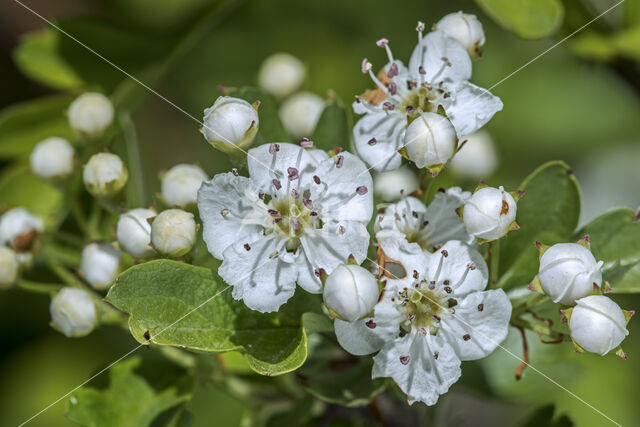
430, 141
20, 230
300, 114
464, 28
477, 158
489, 213
134, 232
173, 232
104, 175
91, 114
9, 266
281, 74
100, 264
73, 312
52, 158
230, 124
597, 324
181, 183
351, 292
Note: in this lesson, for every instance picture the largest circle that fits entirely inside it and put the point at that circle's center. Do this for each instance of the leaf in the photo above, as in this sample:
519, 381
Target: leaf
18, 187
605, 47
614, 239
183, 305
37, 56
548, 213
544, 417
333, 128
130, 399
529, 19
23, 125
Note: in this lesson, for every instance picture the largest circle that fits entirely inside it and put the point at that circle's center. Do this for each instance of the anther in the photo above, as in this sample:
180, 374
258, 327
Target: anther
388, 106
316, 179
293, 173
421, 70
339, 161
276, 183
393, 88
224, 212
234, 171
306, 143
466, 337
273, 148
393, 70
480, 307
445, 253
362, 190
247, 247
365, 67
372, 141
307, 203
382, 42
274, 254
370, 324
404, 359
294, 223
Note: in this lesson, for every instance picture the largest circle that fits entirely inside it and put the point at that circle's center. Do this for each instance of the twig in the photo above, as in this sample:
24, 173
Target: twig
525, 353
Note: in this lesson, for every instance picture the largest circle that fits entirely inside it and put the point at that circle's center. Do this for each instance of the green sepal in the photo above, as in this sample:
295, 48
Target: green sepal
536, 286
351, 260
256, 104
480, 186
403, 152
621, 354
518, 194
512, 227
460, 212
628, 314
322, 274
482, 241
585, 241
441, 111
542, 248
577, 347
606, 287
566, 314
434, 170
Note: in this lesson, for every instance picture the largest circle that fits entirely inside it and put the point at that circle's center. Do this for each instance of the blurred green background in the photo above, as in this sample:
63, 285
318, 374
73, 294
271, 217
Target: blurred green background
558, 107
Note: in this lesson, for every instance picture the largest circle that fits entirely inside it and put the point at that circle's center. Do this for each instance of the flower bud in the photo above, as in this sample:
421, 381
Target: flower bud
100, 264
568, 271
20, 230
73, 312
477, 159
464, 28
181, 183
52, 158
90, 114
394, 184
351, 292
104, 175
134, 232
281, 74
230, 123
489, 213
597, 324
430, 141
9, 266
173, 232
300, 114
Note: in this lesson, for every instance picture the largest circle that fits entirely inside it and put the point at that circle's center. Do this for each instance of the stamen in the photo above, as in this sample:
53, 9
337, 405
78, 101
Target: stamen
370, 324
276, 183
393, 70
365, 67
224, 212
372, 141
274, 254
234, 171
293, 174
437, 275
382, 42
388, 106
247, 247
294, 223
339, 161
393, 88
404, 360
308, 203
362, 190
306, 143
316, 179
273, 148
274, 213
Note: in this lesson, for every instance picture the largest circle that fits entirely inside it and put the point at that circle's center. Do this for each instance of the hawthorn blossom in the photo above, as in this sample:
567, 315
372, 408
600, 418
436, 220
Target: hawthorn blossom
423, 328
437, 75
280, 225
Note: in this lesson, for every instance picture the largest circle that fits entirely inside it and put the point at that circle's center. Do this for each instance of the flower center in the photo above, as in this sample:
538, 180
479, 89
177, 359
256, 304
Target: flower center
422, 308
291, 217
422, 99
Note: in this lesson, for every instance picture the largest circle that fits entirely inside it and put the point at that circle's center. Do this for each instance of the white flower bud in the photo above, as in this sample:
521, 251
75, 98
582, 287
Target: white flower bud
489, 213
597, 324
430, 141
20, 230
351, 292
73, 312
300, 114
100, 264
568, 272
464, 28
181, 183
173, 232
134, 232
104, 175
91, 114
281, 74
52, 158
230, 123
394, 184
477, 158
9, 266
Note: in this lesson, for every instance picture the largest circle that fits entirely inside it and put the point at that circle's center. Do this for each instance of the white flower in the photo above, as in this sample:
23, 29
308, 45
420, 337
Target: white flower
100, 264
281, 74
300, 114
173, 232
9, 266
134, 232
477, 158
394, 184
104, 175
230, 124
437, 75
464, 28
569, 271
350, 292
277, 227
430, 141
20, 229
489, 213
52, 158
426, 324
90, 114
598, 324
181, 183
73, 312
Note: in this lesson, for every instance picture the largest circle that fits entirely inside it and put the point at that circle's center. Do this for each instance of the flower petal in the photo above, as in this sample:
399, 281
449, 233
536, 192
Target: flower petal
410, 258
388, 129
443, 59
265, 166
471, 108
461, 265
400, 215
478, 325
444, 222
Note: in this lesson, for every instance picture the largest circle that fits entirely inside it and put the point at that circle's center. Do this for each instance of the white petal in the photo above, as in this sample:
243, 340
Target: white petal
410, 257
430, 53
482, 318
444, 222
388, 129
264, 167
471, 108
423, 376
224, 203
263, 281
462, 266
399, 216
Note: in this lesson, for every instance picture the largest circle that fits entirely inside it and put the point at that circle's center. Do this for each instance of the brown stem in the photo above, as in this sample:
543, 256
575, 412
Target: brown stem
525, 354
375, 410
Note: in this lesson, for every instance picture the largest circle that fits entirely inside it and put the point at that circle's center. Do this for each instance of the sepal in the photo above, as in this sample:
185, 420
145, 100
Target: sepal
352, 260
585, 241
621, 354
322, 275
536, 286
565, 314
542, 248
628, 314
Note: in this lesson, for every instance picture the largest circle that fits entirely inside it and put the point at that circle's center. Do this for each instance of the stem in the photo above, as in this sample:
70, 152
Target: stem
94, 220
177, 356
63, 274
39, 288
525, 354
494, 263
528, 304
136, 189
79, 216
535, 327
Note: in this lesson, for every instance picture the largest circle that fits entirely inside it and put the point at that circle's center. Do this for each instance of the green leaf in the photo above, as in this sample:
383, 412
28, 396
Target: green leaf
23, 125
37, 56
333, 128
18, 187
544, 417
529, 19
138, 394
614, 239
601, 47
182, 305
548, 213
